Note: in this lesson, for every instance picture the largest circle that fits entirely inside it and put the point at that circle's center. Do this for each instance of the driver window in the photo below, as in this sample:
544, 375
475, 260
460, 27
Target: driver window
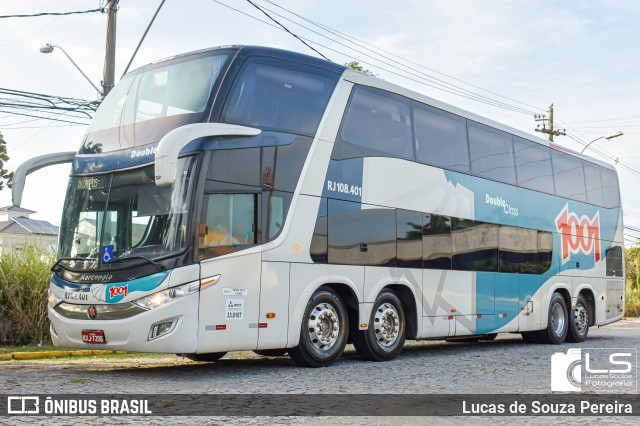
230, 220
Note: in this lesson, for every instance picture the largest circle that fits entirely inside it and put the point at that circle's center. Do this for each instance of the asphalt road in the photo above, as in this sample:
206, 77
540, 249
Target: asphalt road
506, 365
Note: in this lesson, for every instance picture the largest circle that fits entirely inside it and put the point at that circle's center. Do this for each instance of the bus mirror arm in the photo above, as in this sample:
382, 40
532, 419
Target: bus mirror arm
32, 165
172, 143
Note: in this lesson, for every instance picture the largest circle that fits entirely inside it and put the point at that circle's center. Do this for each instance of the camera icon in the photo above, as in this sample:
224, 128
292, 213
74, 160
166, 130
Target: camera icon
566, 371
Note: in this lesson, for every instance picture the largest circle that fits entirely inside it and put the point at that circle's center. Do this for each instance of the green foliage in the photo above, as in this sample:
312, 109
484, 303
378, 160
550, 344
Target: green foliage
632, 272
24, 284
355, 65
5, 176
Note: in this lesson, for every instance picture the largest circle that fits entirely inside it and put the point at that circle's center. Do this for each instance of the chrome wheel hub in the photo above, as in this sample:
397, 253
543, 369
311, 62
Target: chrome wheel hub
581, 318
386, 324
324, 326
557, 319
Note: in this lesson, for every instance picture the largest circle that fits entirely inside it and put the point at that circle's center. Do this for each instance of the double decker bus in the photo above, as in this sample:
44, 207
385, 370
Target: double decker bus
249, 198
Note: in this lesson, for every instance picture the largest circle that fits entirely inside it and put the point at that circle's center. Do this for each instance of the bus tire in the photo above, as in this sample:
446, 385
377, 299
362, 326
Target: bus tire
558, 323
211, 357
579, 321
323, 332
384, 338
270, 352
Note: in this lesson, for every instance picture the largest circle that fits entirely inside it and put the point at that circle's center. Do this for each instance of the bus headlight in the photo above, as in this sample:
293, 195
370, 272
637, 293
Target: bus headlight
161, 298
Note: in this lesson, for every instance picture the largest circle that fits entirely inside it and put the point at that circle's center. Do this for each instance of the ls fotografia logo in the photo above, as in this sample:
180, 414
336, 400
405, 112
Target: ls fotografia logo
594, 369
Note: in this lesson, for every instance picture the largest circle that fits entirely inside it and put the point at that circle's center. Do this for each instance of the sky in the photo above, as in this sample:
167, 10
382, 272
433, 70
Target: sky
582, 56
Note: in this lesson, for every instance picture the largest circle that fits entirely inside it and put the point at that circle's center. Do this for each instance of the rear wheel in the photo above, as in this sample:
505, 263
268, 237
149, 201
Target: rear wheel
324, 330
271, 352
212, 357
579, 321
385, 337
558, 324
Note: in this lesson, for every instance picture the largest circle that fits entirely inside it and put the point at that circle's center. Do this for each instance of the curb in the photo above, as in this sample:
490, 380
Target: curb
55, 354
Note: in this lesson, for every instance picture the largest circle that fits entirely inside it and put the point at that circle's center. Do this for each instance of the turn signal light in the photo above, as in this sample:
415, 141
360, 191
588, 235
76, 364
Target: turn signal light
271, 315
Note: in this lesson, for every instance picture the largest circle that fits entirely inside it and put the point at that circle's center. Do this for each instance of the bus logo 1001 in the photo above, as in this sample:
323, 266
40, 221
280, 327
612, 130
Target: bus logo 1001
578, 234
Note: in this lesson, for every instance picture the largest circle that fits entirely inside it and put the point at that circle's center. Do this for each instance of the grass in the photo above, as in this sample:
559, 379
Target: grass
24, 282
632, 302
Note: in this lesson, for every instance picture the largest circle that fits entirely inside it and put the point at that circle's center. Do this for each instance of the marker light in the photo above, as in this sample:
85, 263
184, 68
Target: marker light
52, 298
166, 296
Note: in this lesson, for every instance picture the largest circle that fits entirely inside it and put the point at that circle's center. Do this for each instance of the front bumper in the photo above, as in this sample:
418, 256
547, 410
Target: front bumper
132, 334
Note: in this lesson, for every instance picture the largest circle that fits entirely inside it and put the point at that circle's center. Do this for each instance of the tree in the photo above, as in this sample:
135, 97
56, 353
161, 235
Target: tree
355, 65
5, 176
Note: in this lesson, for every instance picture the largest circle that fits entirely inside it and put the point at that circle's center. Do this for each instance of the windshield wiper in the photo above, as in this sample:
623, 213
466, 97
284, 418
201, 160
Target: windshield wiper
158, 266
56, 266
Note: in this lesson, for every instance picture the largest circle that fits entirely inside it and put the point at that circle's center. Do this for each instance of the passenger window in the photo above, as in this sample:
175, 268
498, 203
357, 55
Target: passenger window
376, 124
230, 220
614, 261
518, 250
475, 246
319, 241
569, 176
361, 236
533, 165
491, 153
593, 178
610, 188
436, 242
441, 138
241, 166
276, 208
545, 251
279, 95
409, 235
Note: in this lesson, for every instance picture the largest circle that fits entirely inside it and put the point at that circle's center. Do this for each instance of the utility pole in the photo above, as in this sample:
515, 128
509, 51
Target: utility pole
550, 132
110, 51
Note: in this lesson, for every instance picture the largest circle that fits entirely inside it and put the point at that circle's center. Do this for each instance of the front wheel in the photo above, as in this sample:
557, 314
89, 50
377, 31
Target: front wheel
324, 330
558, 323
579, 321
384, 338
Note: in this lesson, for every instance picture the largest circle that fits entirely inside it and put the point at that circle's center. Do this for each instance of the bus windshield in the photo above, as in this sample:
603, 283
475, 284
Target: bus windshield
171, 89
108, 218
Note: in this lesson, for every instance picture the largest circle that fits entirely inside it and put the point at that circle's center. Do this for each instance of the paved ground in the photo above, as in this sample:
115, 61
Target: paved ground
506, 365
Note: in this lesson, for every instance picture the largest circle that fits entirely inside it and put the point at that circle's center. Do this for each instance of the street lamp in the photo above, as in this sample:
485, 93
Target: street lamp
609, 136
48, 48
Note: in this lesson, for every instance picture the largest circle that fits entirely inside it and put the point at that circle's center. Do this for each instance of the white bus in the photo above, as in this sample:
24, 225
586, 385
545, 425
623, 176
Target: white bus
248, 198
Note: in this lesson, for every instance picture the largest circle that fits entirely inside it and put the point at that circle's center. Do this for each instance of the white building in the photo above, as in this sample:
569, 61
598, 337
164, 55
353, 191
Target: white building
17, 229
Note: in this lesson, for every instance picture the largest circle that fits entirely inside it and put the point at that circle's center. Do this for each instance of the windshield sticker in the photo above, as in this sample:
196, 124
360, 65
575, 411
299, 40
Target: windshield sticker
234, 309
107, 254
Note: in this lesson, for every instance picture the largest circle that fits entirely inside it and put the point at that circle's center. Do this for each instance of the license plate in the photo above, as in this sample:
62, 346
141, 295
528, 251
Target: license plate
95, 337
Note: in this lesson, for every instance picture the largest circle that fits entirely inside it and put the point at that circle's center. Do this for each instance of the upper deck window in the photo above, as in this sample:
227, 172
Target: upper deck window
161, 91
376, 124
274, 94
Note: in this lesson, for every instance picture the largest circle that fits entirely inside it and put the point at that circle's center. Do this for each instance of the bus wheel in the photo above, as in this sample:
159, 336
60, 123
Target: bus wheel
271, 352
384, 338
558, 323
324, 330
579, 322
212, 357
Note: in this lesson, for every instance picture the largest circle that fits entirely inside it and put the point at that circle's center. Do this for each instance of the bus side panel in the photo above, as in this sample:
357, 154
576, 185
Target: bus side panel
274, 299
229, 309
440, 326
529, 299
306, 278
506, 303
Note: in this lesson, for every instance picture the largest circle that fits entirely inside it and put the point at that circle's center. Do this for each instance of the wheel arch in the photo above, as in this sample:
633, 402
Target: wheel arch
589, 297
408, 299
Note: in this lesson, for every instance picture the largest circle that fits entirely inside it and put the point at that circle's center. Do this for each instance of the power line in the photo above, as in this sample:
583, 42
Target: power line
606, 119
77, 12
487, 101
346, 37
286, 29
420, 74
